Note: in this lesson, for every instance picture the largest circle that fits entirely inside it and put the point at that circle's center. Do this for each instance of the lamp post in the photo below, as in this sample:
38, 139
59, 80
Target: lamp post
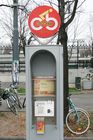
15, 64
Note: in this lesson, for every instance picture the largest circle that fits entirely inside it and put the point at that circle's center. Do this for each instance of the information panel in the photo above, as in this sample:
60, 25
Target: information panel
44, 108
44, 86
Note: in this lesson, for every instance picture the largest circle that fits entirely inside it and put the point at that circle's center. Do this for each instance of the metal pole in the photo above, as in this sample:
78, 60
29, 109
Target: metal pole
15, 65
77, 54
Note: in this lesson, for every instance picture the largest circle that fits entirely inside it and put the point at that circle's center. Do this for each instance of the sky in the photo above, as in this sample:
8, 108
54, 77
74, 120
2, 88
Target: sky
83, 23
81, 28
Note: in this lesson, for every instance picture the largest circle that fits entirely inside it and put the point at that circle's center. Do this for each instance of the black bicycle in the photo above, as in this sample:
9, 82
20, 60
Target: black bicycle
12, 99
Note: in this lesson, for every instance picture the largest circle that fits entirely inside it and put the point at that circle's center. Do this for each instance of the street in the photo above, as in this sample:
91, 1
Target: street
84, 100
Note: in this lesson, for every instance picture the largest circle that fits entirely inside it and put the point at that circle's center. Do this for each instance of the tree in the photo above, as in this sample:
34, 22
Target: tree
7, 23
63, 38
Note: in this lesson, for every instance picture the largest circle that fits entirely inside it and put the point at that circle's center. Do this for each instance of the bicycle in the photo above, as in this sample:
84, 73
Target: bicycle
77, 120
12, 99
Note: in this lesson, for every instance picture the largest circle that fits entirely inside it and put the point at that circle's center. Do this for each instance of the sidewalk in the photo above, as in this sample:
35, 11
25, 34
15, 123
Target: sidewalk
86, 91
64, 138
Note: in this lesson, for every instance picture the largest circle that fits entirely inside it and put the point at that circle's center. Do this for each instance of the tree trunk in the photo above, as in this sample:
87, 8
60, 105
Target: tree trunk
63, 39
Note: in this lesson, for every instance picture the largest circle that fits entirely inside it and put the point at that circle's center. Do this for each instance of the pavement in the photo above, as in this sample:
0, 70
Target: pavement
61, 139
2, 138
84, 100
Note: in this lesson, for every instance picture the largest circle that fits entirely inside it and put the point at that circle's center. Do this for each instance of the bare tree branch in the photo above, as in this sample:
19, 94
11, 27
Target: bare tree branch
81, 4
5, 5
73, 14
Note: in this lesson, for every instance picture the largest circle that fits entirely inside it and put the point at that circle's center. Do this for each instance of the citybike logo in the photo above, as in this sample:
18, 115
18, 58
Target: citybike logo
44, 21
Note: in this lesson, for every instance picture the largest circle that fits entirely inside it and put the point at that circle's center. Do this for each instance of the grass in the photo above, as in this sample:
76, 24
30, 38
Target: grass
72, 89
21, 90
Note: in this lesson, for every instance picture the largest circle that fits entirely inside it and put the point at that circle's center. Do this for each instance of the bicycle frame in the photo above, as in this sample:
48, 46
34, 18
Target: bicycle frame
73, 107
12, 89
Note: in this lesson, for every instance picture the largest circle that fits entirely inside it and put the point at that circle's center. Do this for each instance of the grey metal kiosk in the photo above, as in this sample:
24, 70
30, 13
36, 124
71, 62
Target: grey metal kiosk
44, 93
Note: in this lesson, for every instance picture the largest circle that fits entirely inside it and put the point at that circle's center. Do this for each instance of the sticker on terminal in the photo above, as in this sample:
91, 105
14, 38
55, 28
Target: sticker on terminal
40, 125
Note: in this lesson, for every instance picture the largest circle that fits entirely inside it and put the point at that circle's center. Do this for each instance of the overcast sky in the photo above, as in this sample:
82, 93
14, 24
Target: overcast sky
83, 23
81, 28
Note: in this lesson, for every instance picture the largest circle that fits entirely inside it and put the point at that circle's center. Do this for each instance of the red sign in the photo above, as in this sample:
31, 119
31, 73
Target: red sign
40, 126
44, 21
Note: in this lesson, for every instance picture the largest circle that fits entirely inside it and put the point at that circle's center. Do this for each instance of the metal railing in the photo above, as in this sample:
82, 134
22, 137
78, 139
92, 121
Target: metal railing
6, 61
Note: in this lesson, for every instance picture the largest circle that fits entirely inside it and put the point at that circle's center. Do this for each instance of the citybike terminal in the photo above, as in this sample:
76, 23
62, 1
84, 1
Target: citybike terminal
44, 92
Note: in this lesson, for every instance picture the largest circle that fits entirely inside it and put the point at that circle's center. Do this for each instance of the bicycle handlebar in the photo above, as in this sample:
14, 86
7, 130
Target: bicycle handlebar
13, 85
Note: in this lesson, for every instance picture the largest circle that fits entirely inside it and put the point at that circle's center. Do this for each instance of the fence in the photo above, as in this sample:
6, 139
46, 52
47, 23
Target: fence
79, 57
6, 61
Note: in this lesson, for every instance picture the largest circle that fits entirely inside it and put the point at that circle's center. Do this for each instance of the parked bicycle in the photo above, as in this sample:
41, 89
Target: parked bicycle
77, 120
12, 99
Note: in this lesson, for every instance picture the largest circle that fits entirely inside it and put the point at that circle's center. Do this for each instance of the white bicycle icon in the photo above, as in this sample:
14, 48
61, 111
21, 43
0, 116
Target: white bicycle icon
44, 19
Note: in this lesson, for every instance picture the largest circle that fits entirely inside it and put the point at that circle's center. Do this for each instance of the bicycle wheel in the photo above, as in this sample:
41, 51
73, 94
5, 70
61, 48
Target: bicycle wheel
78, 125
17, 99
11, 102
